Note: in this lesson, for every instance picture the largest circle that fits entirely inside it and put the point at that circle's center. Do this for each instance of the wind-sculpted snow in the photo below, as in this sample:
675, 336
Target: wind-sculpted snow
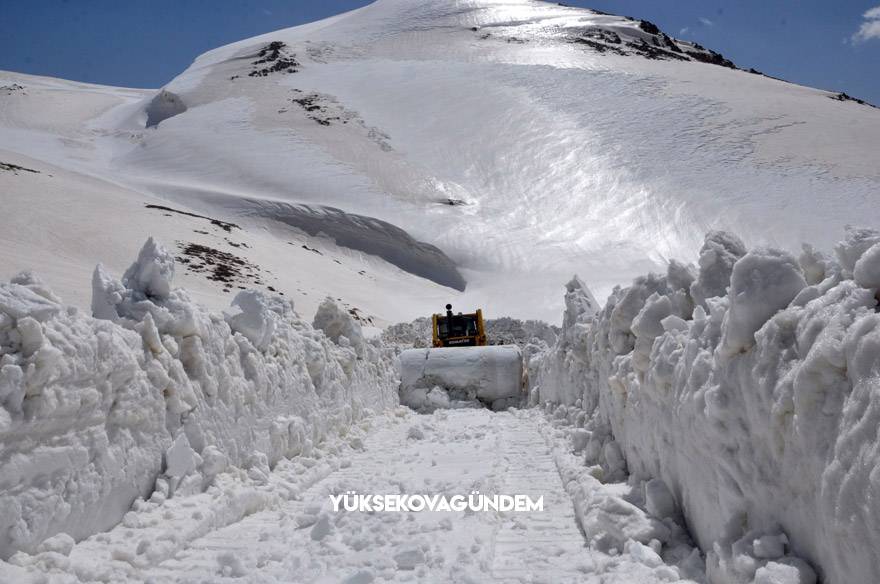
750, 387
165, 105
156, 393
366, 234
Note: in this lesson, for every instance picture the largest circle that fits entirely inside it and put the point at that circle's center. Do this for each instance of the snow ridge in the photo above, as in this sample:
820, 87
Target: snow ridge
155, 393
750, 387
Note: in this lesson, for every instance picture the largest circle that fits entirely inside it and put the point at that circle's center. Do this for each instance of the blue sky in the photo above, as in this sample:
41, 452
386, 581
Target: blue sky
146, 43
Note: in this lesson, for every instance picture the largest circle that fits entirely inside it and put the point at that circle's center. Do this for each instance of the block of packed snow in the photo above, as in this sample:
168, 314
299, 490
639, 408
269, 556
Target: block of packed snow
35, 284
631, 302
853, 246
485, 373
579, 302
437, 398
646, 327
719, 253
336, 323
867, 269
107, 294
252, 317
152, 273
763, 282
785, 571
19, 301
770, 546
409, 559
615, 521
815, 264
658, 499
60, 544
180, 458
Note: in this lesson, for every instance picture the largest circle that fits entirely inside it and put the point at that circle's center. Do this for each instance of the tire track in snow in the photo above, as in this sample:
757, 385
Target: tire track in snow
542, 546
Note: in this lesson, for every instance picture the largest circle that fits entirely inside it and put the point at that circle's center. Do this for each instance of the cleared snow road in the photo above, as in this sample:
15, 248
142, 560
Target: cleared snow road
304, 540
278, 526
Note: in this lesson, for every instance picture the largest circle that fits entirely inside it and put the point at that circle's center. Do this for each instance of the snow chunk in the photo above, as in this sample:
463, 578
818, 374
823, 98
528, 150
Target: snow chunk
855, 243
719, 253
409, 559
255, 318
19, 301
59, 544
579, 302
867, 269
36, 285
230, 565
786, 571
107, 294
321, 528
180, 458
770, 546
337, 323
814, 264
764, 281
213, 461
437, 398
611, 521
659, 499
647, 326
152, 273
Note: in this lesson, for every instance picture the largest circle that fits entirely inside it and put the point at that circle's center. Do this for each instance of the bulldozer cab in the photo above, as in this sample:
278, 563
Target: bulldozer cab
458, 330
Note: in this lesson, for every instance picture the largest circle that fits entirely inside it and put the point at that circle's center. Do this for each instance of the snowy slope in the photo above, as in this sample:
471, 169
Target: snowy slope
525, 140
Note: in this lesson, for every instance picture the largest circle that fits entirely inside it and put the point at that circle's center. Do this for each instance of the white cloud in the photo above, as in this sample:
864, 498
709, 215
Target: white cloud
706, 21
684, 30
870, 28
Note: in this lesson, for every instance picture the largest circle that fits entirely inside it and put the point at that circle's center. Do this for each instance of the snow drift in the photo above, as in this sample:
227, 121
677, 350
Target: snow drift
94, 410
751, 388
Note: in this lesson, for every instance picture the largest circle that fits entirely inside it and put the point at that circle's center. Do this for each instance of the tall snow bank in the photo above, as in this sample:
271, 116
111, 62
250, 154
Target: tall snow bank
750, 390
158, 393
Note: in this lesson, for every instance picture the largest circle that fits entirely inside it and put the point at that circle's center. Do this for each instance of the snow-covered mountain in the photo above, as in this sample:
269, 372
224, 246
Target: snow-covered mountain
395, 154
704, 424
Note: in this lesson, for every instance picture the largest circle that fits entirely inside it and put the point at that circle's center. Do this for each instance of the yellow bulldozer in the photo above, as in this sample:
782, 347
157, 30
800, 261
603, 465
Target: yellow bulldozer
459, 330
460, 369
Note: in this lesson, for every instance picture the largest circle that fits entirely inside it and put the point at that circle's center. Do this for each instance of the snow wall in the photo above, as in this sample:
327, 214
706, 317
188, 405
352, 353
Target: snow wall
751, 387
94, 410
